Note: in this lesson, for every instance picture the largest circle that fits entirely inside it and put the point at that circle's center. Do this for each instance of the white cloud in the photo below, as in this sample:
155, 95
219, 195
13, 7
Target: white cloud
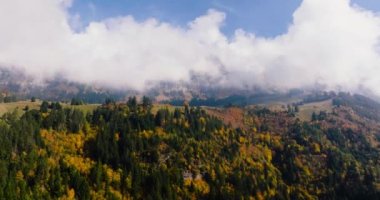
330, 42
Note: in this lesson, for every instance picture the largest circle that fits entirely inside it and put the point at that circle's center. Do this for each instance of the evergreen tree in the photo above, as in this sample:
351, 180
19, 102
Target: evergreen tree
44, 107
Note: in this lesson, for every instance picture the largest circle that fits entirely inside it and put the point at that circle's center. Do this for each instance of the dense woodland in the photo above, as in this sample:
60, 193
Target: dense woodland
136, 151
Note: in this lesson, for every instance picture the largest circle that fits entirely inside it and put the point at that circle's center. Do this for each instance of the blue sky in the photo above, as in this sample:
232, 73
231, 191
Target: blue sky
262, 17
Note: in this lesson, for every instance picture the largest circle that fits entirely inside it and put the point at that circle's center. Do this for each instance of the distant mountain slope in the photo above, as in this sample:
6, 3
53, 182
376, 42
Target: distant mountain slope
15, 83
362, 105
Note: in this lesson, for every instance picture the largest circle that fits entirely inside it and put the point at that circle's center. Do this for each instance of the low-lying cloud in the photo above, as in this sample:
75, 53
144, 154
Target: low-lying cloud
330, 42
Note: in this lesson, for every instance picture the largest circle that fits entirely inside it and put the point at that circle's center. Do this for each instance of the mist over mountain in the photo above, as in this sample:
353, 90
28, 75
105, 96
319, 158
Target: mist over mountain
331, 44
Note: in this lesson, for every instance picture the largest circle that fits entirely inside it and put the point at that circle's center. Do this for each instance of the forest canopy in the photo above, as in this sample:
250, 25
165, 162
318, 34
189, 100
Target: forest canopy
137, 151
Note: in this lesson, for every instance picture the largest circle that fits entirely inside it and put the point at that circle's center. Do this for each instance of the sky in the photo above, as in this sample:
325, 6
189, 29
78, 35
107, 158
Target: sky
267, 18
271, 44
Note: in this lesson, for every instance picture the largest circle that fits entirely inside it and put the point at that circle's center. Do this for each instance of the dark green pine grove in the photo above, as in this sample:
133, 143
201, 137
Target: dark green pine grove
135, 151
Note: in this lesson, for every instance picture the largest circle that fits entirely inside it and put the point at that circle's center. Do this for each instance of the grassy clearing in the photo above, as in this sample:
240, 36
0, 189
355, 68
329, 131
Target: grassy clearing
306, 110
157, 107
19, 106
85, 108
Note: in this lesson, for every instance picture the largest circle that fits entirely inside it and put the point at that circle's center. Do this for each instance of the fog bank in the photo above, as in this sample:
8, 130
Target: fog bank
330, 43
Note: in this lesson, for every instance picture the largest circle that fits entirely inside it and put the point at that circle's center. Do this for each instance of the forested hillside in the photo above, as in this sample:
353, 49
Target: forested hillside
131, 151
